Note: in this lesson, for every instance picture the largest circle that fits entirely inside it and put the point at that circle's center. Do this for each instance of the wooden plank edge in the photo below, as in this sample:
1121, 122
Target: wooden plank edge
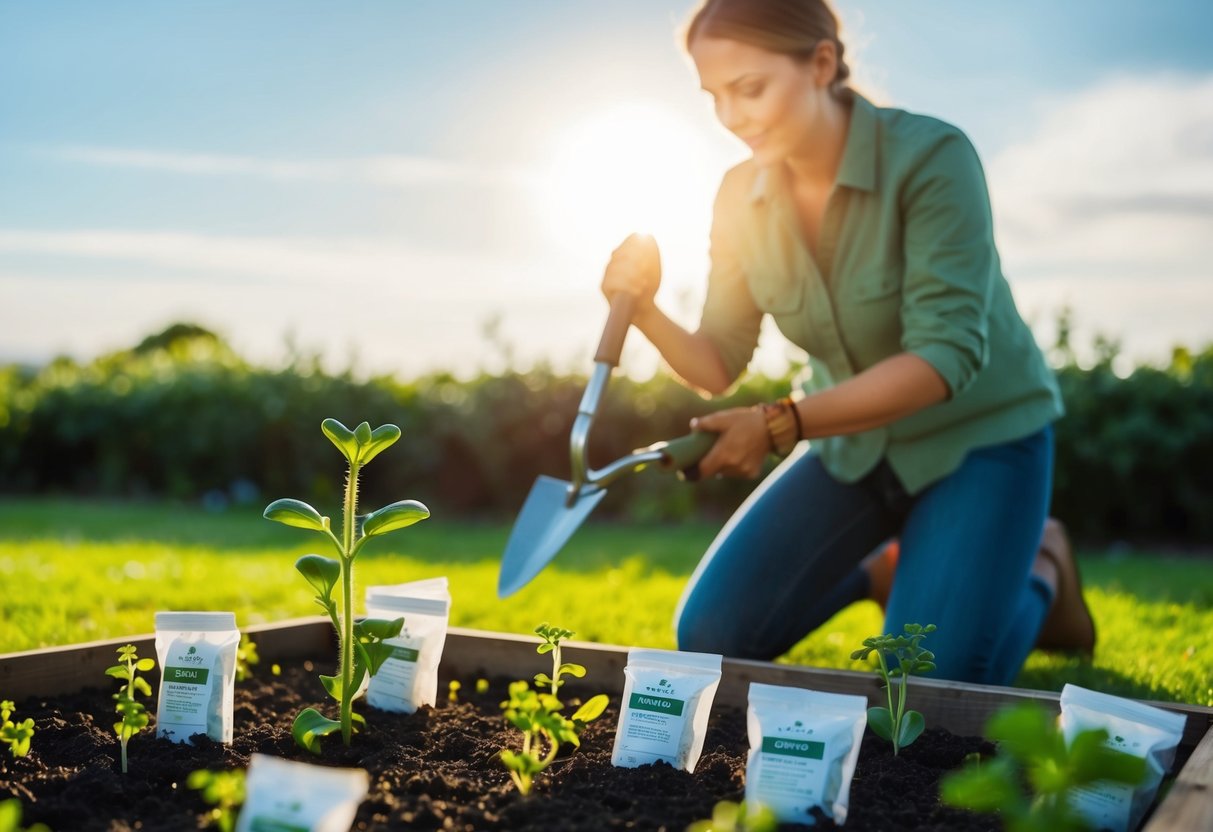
1189, 804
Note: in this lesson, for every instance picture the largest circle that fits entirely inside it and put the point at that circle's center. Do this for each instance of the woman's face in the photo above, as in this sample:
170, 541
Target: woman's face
769, 100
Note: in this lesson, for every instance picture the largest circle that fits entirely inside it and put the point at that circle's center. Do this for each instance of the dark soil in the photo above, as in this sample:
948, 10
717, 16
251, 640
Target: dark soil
436, 769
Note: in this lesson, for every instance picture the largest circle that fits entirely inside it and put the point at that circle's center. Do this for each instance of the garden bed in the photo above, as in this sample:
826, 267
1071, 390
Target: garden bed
437, 769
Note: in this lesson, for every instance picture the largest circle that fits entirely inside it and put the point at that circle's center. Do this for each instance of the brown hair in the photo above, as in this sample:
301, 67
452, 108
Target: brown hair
789, 27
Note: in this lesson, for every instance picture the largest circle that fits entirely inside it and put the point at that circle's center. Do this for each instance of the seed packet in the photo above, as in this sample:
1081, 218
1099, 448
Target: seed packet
803, 748
1133, 728
197, 654
667, 696
409, 679
282, 796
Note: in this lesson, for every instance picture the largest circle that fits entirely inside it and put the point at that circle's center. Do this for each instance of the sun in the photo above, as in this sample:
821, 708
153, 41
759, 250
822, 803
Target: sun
633, 167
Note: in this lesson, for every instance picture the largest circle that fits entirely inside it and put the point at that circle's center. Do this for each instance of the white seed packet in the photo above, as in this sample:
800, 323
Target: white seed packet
667, 696
197, 657
282, 795
1133, 728
804, 745
409, 679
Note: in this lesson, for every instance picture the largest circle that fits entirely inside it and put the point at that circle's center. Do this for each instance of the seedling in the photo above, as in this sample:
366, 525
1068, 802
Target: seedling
362, 646
453, 690
1032, 750
537, 715
246, 658
10, 818
895, 723
224, 790
16, 734
134, 714
728, 816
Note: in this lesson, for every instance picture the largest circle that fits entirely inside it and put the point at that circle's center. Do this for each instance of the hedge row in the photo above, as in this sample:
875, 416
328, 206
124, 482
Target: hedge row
182, 416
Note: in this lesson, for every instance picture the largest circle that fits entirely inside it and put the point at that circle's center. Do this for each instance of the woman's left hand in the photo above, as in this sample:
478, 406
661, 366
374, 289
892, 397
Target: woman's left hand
743, 444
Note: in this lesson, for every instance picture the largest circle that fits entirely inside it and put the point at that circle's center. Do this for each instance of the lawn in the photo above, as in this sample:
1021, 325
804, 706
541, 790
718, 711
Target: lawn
76, 571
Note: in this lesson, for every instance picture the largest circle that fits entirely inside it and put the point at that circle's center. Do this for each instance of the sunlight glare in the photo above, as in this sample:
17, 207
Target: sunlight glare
635, 167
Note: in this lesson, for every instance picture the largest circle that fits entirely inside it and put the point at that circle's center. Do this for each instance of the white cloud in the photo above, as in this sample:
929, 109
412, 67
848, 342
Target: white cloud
392, 171
1109, 206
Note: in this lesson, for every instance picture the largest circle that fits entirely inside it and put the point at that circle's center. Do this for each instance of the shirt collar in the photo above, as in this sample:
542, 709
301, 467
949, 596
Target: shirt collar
858, 167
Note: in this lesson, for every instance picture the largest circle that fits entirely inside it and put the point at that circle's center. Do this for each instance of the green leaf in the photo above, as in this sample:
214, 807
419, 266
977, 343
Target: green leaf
342, 437
880, 720
142, 686
396, 516
332, 684
118, 671
310, 726
570, 669
382, 438
376, 654
362, 435
986, 787
322, 573
378, 628
145, 664
296, 513
591, 709
912, 725
546, 647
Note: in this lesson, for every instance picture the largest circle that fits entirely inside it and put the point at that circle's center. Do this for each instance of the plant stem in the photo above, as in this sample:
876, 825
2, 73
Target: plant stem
347, 611
123, 744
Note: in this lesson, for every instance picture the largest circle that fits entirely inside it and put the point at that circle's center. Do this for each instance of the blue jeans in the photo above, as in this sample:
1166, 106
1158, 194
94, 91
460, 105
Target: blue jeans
789, 559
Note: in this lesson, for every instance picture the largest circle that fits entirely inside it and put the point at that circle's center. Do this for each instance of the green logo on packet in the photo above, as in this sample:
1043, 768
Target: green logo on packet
405, 654
789, 747
656, 704
186, 675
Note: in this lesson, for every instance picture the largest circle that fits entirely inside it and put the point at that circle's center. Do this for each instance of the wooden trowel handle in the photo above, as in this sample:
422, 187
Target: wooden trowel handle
622, 308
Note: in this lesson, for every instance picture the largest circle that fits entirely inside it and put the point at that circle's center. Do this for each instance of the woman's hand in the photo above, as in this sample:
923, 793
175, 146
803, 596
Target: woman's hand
634, 269
742, 446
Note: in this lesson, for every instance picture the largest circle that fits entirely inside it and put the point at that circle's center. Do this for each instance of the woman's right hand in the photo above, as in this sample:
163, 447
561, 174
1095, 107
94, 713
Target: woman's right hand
634, 269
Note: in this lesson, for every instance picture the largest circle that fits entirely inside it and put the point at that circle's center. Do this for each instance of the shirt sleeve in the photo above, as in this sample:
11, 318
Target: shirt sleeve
731, 320
951, 262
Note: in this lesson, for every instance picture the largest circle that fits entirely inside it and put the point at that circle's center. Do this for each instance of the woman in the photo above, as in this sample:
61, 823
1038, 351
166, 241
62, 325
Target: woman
866, 234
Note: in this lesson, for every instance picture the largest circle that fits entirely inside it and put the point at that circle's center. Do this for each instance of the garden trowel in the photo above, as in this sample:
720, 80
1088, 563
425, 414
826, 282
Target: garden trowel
554, 509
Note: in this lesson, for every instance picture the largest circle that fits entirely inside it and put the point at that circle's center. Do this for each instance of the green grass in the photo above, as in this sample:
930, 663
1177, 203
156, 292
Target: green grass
76, 571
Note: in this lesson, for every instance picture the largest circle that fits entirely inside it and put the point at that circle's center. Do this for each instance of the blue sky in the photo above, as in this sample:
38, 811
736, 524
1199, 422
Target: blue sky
387, 181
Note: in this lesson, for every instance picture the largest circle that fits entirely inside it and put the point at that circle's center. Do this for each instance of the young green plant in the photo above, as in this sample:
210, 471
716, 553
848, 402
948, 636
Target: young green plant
10, 818
362, 647
134, 714
17, 735
537, 714
1033, 751
224, 790
895, 723
728, 816
246, 658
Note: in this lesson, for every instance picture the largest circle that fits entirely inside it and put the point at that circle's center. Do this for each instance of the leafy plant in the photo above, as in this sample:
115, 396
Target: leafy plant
246, 658
1032, 750
134, 714
728, 816
16, 734
537, 715
362, 647
895, 723
224, 790
10, 818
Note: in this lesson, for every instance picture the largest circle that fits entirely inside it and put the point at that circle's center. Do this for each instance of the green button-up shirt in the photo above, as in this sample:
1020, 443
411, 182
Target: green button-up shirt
906, 263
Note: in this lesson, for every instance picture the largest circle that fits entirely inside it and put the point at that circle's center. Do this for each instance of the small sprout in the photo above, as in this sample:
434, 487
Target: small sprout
1032, 751
10, 818
134, 714
276, 669
453, 690
224, 790
16, 734
895, 723
537, 715
728, 816
362, 644
246, 658
482, 686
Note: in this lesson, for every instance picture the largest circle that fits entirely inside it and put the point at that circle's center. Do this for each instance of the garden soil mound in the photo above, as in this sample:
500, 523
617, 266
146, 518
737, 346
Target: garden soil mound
436, 769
